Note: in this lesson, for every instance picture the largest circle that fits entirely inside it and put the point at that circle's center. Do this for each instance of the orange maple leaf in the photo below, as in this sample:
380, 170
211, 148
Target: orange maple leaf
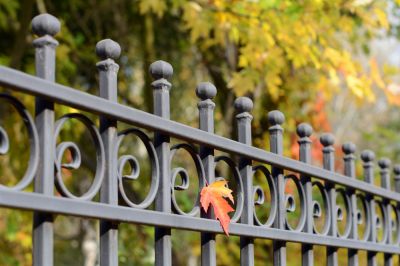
214, 194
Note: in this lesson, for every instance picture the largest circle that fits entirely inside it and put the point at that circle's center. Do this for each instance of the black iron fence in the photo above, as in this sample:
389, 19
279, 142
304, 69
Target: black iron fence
362, 200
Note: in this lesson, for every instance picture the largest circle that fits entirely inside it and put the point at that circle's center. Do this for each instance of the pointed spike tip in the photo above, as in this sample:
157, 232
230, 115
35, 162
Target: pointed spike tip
243, 104
206, 90
45, 24
304, 130
108, 49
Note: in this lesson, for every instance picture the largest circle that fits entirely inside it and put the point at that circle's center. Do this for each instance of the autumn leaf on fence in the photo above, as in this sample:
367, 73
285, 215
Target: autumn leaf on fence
215, 194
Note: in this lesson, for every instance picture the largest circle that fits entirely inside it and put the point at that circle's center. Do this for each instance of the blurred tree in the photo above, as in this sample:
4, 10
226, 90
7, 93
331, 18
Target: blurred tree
288, 55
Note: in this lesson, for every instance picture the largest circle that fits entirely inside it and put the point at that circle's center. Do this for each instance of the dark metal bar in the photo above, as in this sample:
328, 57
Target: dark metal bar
327, 140
80, 100
243, 106
396, 178
350, 171
276, 119
304, 132
384, 165
95, 210
206, 91
368, 157
45, 26
161, 72
108, 51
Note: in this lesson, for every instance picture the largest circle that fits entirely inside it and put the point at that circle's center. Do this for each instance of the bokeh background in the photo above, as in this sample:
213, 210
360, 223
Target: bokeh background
334, 64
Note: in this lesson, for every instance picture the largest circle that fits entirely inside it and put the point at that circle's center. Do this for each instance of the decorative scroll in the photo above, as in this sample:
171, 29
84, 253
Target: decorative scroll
33, 142
184, 175
257, 191
135, 168
239, 193
317, 210
290, 204
76, 157
347, 204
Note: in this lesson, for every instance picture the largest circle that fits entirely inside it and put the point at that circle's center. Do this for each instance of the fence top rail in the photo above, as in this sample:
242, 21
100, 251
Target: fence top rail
68, 96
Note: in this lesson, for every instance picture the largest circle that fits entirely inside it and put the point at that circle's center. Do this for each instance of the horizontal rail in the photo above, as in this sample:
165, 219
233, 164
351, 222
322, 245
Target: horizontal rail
94, 210
86, 102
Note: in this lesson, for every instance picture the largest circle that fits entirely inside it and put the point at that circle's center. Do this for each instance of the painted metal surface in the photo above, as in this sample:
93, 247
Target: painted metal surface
244, 161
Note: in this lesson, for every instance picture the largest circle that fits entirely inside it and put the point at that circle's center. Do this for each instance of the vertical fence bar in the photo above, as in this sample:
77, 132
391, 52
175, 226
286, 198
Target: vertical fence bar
350, 170
162, 71
396, 171
243, 106
276, 119
108, 51
368, 157
45, 26
327, 140
206, 91
304, 132
384, 165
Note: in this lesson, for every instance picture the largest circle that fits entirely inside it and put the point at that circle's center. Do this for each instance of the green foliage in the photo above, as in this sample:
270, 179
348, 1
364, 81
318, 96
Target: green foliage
290, 55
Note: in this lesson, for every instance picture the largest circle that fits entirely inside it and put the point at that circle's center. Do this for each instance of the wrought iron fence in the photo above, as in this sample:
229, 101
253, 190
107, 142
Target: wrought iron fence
46, 164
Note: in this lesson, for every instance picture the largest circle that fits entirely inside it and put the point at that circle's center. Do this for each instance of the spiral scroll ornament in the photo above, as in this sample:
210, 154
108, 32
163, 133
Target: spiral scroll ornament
75, 163
260, 199
290, 204
133, 164
239, 193
184, 176
33, 143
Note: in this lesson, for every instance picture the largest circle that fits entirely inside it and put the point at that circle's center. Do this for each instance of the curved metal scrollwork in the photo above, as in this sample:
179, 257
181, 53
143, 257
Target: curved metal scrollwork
291, 204
239, 193
135, 168
33, 142
257, 190
76, 157
317, 210
367, 217
381, 222
395, 224
340, 215
184, 175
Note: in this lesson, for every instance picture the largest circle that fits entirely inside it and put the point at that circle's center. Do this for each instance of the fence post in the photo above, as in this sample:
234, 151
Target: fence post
327, 140
304, 132
161, 72
45, 26
108, 50
206, 91
350, 170
276, 119
243, 106
396, 171
368, 157
384, 165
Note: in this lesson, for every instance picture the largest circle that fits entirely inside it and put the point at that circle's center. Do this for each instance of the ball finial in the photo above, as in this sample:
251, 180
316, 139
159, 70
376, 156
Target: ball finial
349, 148
243, 104
327, 139
384, 163
304, 130
396, 169
206, 90
367, 156
108, 49
45, 24
276, 118
161, 70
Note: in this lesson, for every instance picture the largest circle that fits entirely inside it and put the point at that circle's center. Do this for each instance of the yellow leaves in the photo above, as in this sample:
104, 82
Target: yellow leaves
157, 7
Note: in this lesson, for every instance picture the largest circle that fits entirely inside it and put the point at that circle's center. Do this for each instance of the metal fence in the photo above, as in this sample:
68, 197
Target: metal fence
362, 199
